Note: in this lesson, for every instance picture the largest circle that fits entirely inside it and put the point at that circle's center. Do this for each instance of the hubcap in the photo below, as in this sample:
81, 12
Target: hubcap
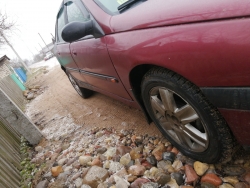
178, 119
74, 84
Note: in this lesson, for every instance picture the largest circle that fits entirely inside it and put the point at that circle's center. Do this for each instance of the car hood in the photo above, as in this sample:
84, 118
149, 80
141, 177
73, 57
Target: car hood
156, 13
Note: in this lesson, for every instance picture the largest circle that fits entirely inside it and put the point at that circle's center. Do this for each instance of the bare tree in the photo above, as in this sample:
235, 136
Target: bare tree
6, 27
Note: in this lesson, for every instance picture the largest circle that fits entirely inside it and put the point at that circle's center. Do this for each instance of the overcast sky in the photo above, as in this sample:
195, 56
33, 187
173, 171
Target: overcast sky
31, 17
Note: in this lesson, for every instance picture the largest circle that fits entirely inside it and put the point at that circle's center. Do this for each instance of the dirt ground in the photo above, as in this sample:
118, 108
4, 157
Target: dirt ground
61, 110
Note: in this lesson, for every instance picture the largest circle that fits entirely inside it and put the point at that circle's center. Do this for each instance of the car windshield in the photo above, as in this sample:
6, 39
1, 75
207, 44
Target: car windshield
110, 6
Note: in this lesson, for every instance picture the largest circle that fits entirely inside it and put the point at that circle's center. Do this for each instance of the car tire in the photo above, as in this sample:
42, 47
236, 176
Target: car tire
185, 117
83, 92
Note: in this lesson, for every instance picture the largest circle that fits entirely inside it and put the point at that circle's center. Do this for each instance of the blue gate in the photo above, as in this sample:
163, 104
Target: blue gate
21, 74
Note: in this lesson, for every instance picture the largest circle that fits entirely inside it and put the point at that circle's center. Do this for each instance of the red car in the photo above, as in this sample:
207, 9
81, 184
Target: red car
185, 64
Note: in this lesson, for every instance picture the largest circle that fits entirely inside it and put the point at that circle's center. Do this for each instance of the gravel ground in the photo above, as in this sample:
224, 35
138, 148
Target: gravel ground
99, 142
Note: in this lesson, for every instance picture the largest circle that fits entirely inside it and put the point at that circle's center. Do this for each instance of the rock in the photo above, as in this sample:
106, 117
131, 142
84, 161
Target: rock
178, 178
163, 178
75, 176
150, 185
42, 184
122, 174
25, 93
212, 179
152, 160
38, 148
177, 165
191, 176
136, 170
134, 154
78, 182
76, 165
200, 168
83, 160
226, 185
146, 164
106, 164
153, 171
139, 182
165, 165
207, 185
55, 171
241, 185
65, 146
175, 150
94, 175
85, 186
246, 177
168, 156
233, 170
62, 161
131, 178
122, 150
96, 162
125, 159
172, 183
30, 96
70, 161
158, 151
101, 150
68, 169
110, 152
186, 186
120, 182
115, 167
231, 179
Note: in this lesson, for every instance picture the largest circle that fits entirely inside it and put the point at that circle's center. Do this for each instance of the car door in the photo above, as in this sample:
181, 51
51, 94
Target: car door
91, 56
62, 49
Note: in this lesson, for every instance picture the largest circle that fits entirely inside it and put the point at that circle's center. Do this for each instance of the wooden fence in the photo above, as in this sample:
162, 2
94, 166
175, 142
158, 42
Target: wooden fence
8, 85
9, 156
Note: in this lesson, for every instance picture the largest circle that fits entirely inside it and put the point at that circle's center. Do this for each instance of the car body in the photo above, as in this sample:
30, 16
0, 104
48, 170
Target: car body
205, 42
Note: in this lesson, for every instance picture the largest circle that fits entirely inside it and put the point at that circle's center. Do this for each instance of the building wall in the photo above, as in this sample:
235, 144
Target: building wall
4, 70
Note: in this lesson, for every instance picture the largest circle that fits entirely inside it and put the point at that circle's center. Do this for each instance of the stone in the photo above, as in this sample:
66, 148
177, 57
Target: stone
85, 186
230, 179
146, 164
75, 176
78, 182
177, 165
163, 178
172, 183
226, 185
115, 166
68, 168
106, 164
178, 178
83, 160
150, 185
136, 170
101, 150
42, 184
186, 186
131, 178
94, 175
65, 146
122, 173
125, 159
70, 161
153, 171
103, 185
158, 151
110, 152
134, 154
30, 96
120, 182
241, 185
233, 170
139, 182
246, 177
165, 165
55, 171
96, 162
200, 168
207, 185
212, 179
175, 150
168, 156
152, 160
62, 161
38, 148
191, 176
122, 150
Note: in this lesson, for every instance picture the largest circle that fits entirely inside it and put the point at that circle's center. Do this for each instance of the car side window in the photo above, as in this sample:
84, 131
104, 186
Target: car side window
74, 13
60, 24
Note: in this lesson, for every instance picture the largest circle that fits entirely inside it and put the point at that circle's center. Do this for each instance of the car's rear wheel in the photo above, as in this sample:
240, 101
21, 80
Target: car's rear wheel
83, 92
185, 117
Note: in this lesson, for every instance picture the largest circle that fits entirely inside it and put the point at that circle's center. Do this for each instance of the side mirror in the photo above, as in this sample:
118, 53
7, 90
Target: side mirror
76, 30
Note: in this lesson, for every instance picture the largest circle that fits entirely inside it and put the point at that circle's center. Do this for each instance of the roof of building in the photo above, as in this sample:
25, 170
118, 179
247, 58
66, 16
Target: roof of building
4, 58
